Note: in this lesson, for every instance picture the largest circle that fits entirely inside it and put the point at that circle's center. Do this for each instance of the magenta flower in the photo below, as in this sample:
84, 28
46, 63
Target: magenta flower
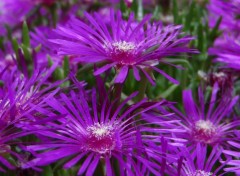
9, 135
196, 162
235, 153
121, 44
208, 125
94, 129
19, 97
203, 122
224, 78
227, 52
229, 10
13, 12
206, 122
20, 94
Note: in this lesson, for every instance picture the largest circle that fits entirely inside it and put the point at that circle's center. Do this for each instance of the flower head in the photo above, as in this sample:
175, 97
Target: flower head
13, 12
19, 91
227, 52
234, 152
9, 135
208, 122
208, 127
91, 131
229, 10
121, 44
197, 162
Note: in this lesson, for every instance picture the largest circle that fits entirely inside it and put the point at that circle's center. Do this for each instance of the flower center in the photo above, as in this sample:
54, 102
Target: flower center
123, 52
101, 138
199, 173
123, 46
204, 131
220, 74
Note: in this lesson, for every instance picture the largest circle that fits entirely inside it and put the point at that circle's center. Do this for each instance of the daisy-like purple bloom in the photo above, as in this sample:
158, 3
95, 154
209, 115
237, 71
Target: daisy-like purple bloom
196, 162
13, 12
8, 144
234, 152
229, 10
121, 44
20, 95
19, 91
94, 129
228, 52
206, 122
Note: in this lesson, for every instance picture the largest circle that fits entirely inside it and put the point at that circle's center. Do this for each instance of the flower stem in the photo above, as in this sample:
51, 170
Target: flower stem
142, 88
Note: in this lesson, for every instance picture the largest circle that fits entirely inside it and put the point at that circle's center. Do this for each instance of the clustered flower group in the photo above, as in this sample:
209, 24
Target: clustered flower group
48, 117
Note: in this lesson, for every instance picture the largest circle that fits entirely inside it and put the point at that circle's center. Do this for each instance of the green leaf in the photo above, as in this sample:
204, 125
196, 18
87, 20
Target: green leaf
15, 46
58, 74
54, 13
2, 43
169, 91
180, 61
27, 53
1, 83
66, 66
214, 33
175, 11
47, 171
9, 32
156, 13
134, 6
25, 35
200, 37
137, 8
38, 48
50, 62
190, 16
123, 6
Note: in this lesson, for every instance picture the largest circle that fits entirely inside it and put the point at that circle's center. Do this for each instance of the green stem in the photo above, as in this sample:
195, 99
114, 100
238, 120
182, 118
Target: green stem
117, 94
89, 67
142, 88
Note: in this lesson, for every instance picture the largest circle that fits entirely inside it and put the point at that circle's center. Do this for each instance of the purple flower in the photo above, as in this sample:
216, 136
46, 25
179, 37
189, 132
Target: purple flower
93, 129
223, 78
228, 52
208, 125
13, 12
205, 122
196, 161
229, 10
19, 97
121, 44
39, 38
20, 94
234, 152
9, 135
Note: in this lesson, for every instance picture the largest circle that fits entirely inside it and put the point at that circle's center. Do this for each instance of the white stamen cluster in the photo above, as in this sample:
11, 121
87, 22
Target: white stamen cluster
100, 130
219, 74
199, 173
205, 125
123, 46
